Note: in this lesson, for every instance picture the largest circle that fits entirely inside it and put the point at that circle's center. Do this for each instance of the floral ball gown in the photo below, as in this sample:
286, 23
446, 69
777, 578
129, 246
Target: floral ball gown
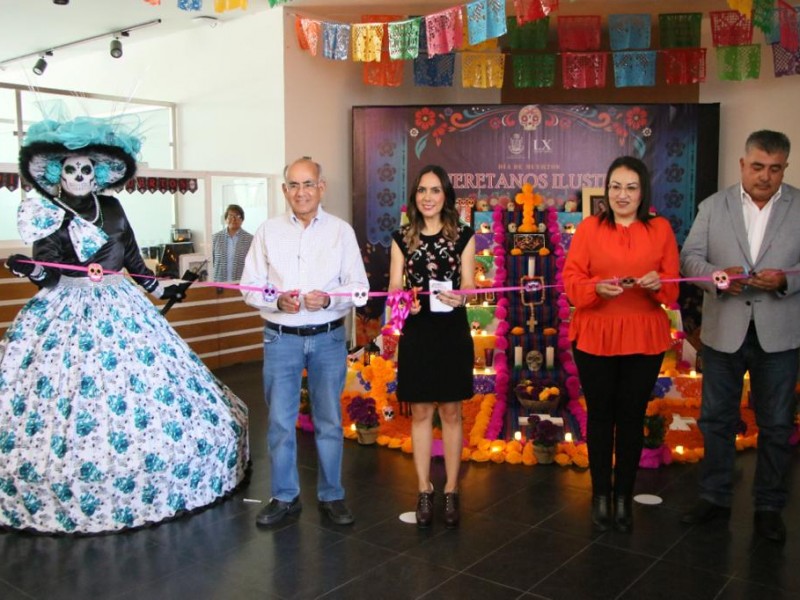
108, 420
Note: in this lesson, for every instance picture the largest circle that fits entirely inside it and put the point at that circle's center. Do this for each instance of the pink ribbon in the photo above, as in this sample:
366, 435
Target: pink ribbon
399, 303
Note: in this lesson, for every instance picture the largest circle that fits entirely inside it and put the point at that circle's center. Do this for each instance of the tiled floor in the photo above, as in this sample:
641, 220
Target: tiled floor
525, 533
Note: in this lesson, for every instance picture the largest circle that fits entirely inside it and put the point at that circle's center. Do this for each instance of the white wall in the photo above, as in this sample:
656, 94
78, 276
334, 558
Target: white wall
768, 102
226, 80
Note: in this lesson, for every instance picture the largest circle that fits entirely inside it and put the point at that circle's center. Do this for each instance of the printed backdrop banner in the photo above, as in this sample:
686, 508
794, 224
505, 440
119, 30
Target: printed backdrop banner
491, 150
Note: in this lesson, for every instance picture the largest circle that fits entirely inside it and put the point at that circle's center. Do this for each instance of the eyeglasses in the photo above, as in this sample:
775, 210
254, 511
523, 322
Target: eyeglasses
234, 216
294, 186
616, 188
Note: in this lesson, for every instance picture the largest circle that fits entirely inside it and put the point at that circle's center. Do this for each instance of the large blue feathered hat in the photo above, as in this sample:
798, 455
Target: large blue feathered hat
47, 143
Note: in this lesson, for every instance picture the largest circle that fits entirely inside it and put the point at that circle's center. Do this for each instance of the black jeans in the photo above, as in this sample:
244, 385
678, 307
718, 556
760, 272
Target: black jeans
617, 390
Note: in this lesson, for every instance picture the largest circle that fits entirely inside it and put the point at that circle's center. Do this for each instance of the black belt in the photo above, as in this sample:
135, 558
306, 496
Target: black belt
307, 329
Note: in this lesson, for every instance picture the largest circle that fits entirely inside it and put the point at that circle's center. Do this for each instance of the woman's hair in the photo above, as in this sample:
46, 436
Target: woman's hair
637, 166
234, 208
416, 222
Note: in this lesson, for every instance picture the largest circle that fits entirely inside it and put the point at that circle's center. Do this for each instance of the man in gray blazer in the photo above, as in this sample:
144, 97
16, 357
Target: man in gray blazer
752, 232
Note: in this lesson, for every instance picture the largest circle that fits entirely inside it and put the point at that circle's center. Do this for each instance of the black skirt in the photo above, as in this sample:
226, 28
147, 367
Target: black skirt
435, 358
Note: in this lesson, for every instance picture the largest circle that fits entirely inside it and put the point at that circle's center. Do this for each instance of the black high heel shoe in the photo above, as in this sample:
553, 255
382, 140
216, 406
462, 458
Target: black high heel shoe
601, 512
623, 514
451, 512
424, 512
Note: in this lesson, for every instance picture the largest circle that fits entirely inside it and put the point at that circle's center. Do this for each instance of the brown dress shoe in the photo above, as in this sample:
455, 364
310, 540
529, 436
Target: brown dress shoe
451, 514
424, 509
276, 510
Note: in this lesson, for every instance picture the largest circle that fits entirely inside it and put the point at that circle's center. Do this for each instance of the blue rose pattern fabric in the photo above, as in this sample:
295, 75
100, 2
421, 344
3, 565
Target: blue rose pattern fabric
108, 420
38, 217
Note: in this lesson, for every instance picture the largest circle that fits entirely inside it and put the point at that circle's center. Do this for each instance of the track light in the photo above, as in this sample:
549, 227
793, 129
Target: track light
40, 66
115, 48
61, 2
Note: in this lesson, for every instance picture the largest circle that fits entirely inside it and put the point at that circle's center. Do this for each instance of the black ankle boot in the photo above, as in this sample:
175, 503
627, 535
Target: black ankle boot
601, 512
424, 512
623, 514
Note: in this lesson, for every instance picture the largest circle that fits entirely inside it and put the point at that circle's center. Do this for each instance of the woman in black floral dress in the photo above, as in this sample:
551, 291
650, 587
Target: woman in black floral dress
435, 253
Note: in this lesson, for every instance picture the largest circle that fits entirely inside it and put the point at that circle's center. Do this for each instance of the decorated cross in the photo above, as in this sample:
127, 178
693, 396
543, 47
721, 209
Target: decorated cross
528, 200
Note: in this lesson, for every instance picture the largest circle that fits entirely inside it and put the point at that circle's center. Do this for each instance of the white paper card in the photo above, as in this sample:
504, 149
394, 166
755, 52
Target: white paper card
439, 286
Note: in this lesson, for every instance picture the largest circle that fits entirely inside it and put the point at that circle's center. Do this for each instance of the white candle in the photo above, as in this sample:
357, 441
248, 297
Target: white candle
517, 356
531, 266
353, 325
550, 356
568, 437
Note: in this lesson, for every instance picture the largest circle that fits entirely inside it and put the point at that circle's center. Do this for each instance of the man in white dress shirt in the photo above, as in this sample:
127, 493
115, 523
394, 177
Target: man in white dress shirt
308, 262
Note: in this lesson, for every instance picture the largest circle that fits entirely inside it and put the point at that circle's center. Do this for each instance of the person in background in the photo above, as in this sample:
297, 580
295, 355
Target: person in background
619, 330
309, 264
750, 231
435, 351
229, 246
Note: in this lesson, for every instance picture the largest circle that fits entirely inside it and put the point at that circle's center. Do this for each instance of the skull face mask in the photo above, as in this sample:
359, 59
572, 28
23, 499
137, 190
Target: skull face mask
77, 176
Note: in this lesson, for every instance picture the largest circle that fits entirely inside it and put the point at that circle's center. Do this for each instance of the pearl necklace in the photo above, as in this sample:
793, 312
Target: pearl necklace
98, 213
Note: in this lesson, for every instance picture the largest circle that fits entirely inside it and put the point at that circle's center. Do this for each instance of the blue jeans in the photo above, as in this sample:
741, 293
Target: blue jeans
325, 357
773, 376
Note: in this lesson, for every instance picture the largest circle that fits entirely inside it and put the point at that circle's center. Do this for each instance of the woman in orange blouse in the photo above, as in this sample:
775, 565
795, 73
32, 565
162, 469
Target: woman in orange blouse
619, 331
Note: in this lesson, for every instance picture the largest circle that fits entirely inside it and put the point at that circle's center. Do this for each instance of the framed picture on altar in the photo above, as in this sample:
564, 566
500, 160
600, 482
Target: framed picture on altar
594, 201
529, 243
482, 221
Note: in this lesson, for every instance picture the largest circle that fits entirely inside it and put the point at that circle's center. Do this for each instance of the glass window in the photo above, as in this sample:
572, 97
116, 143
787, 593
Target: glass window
9, 145
151, 121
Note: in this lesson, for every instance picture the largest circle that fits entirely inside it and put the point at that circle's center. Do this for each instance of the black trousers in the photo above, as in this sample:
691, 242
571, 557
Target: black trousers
617, 390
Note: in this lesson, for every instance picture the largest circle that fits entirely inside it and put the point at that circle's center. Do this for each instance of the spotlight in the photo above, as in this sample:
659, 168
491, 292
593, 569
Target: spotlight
61, 2
115, 48
40, 66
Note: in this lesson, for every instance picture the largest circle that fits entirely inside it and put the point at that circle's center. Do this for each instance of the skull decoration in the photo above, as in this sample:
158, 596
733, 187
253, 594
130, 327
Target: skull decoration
534, 360
77, 176
270, 293
512, 228
388, 413
95, 272
360, 296
721, 280
533, 285
627, 282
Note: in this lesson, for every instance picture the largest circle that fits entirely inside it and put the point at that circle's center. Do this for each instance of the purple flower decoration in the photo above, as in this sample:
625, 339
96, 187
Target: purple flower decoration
363, 413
